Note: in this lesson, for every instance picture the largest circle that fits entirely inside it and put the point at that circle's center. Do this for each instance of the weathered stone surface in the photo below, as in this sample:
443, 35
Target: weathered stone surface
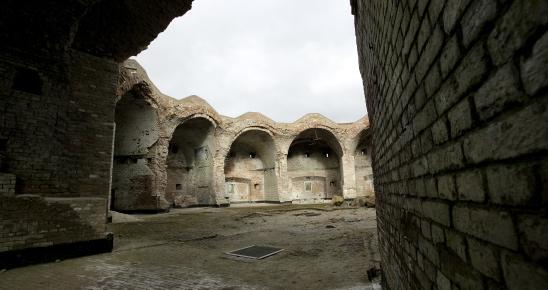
476, 17
490, 113
440, 133
515, 27
7, 184
446, 187
437, 211
449, 56
520, 274
469, 73
460, 274
452, 12
442, 282
460, 118
490, 225
470, 186
484, 258
511, 184
534, 69
498, 93
457, 243
450, 157
521, 133
533, 232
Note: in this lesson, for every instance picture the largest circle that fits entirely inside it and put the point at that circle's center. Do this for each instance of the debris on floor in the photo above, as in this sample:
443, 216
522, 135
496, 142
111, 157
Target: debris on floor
337, 200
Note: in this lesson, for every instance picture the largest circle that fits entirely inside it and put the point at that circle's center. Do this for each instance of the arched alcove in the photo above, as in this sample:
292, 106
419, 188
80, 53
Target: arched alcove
250, 168
314, 166
136, 131
363, 169
190, 164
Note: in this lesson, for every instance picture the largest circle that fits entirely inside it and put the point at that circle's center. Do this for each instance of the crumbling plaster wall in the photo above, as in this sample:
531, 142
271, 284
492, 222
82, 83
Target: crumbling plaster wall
363, 166
251, 160
314, 165
457, 99
190, 164
240, 168
136, 132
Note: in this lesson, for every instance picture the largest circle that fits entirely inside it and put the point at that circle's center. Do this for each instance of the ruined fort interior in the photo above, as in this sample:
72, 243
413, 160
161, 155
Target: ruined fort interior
107, 183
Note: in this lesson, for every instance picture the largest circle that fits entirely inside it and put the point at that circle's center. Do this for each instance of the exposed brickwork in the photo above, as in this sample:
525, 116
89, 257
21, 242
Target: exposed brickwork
7, 184
56, 149
150, 125
58, 86
458, 105
28, 221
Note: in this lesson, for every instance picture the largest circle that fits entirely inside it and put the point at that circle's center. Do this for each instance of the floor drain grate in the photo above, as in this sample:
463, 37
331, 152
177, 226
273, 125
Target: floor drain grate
255, 252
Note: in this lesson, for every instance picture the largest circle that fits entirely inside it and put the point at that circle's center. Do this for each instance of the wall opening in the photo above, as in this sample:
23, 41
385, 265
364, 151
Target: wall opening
190, 164
136, 131
250, 168
313, 165
27, 80
363, 169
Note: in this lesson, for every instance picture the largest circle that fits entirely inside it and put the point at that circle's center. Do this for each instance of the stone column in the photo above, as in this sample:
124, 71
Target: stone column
282, 178
348, 175
222, 143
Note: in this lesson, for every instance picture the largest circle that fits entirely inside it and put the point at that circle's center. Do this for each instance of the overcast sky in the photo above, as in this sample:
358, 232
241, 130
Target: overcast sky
283, 58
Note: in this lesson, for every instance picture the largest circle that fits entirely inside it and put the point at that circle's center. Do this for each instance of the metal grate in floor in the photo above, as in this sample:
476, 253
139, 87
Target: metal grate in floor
255, 252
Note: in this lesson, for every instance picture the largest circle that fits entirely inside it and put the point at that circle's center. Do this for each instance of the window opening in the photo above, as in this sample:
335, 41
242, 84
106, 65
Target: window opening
27, 80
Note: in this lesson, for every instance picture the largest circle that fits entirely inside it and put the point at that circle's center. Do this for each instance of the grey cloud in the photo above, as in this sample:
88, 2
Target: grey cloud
284, 58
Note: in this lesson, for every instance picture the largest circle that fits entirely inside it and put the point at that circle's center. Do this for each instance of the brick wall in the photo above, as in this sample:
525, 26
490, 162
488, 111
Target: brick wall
457, 100
57, 132
28, 221
7, 184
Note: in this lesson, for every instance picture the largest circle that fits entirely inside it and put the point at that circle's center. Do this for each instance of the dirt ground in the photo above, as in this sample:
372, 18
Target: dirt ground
325, 248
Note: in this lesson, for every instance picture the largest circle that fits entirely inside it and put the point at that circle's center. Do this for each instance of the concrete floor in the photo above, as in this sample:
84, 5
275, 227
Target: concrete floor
325, 248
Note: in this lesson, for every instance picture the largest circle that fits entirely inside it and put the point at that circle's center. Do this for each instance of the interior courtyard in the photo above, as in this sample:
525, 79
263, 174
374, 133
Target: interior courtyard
108, 183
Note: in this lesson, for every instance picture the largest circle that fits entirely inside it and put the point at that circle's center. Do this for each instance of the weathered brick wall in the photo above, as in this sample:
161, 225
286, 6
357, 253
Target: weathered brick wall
57, 148
58, 78
457, 100
7, 184
28, 221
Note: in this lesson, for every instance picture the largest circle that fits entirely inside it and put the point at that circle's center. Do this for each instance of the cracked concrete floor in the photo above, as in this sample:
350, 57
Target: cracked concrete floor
325, 248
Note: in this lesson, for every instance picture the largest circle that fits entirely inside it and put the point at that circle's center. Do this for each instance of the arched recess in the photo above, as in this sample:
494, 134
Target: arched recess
314, 166
363, 168
190, 164
137, 130
250, 168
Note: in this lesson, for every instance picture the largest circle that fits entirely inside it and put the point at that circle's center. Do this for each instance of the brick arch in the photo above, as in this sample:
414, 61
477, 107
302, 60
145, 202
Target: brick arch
365, 133
335, 143
248, 129
176, 121
190, 153
236, 168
